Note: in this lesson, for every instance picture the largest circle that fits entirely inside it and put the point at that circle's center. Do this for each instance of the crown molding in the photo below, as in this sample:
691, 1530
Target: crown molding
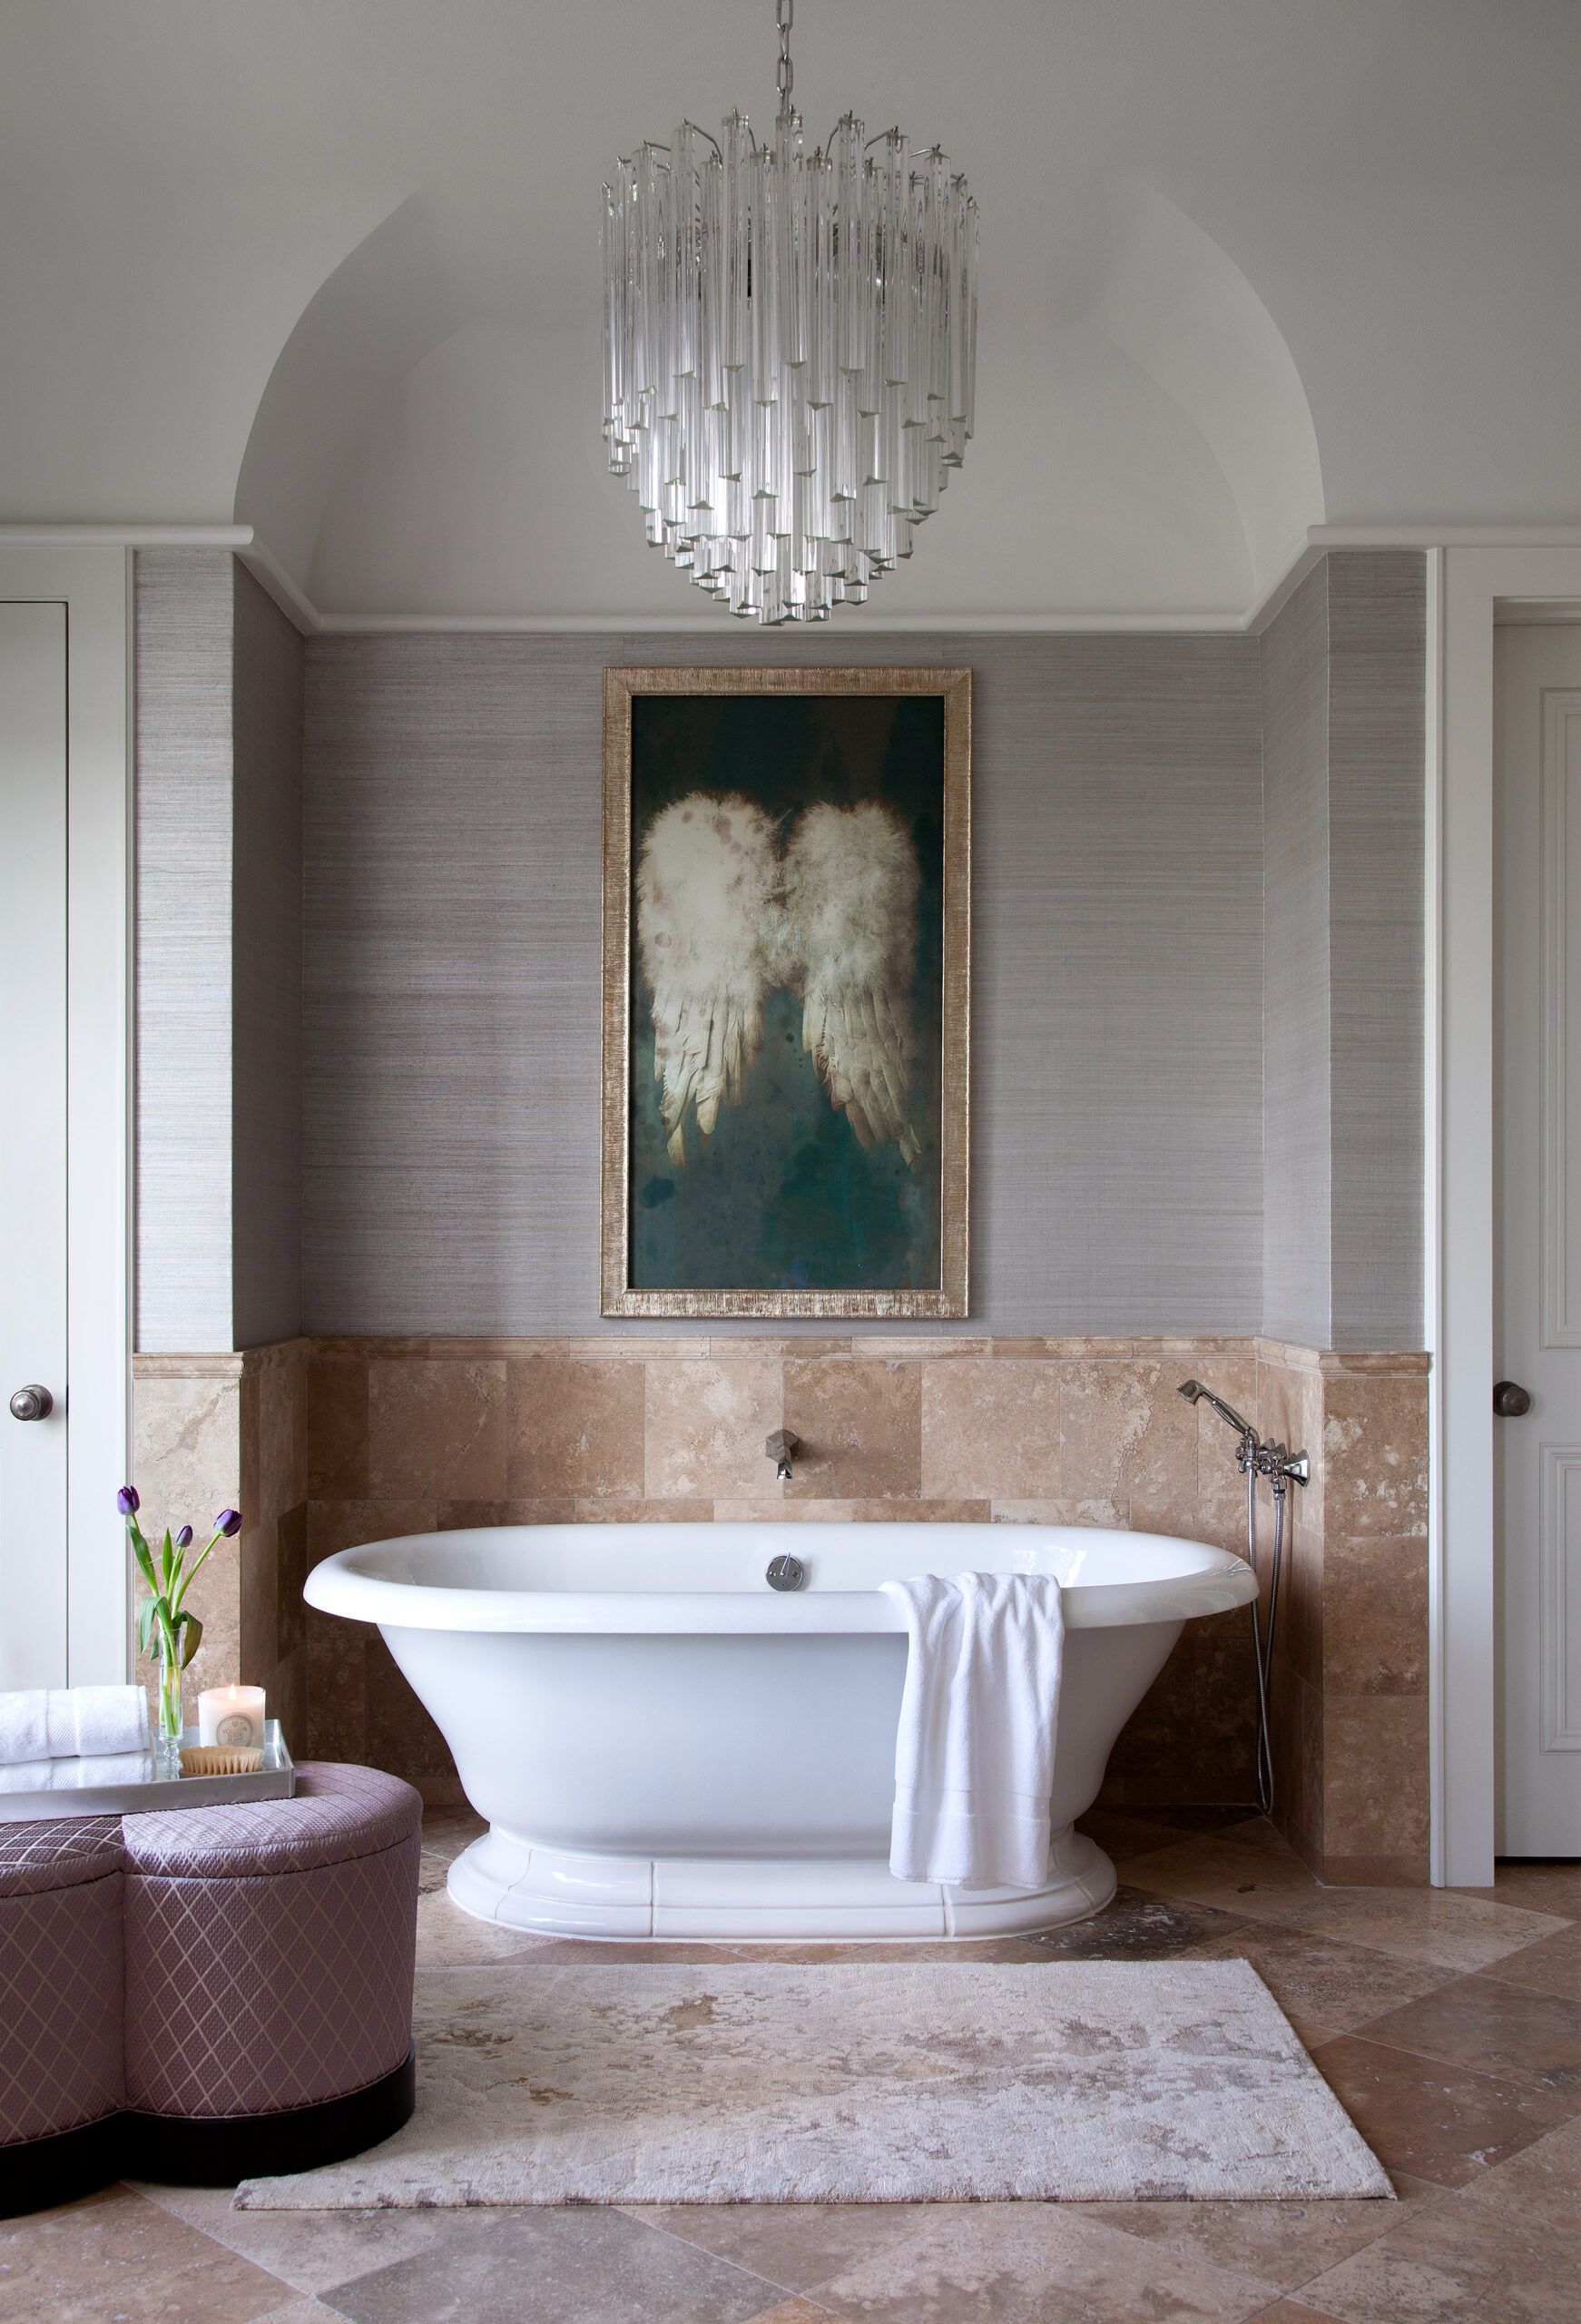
127, 536
702, 625
244, 542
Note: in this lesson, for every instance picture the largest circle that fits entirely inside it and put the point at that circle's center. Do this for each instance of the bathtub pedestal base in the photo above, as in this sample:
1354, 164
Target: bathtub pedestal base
551, 1892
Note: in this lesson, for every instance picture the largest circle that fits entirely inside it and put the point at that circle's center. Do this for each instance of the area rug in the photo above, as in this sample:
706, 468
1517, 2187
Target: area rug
943, 2083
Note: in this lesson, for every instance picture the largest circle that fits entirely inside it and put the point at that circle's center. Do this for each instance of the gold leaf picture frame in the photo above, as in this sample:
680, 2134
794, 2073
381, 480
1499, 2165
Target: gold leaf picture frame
787, 973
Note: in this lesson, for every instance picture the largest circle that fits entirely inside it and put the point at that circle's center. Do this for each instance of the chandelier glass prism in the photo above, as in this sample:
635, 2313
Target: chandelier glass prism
789, 346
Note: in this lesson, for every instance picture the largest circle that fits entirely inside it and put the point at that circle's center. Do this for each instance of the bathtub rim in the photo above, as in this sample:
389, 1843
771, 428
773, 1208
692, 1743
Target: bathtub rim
1218, 1580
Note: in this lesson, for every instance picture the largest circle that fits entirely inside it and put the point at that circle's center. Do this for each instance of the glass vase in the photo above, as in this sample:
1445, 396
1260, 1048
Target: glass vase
167, 1712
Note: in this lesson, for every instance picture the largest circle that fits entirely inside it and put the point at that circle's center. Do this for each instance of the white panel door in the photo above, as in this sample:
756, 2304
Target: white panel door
1538, 1353
33, 1144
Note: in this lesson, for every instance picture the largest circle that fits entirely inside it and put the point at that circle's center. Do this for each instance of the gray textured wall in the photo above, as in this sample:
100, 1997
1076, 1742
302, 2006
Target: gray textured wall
1296, 1270
451, 1133
1344, 702
267, 1039
1144, 1159
1377, 795
219, 888
183, 948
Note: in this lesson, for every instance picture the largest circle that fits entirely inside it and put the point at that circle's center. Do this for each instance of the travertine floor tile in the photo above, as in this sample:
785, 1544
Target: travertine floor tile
1138, 1928
116, 2255
446, 1832
792, 2311
1257, 1832
1320, 1983
448, 1938
551, 2266
1437, 1925
796, 2245
1436, 2122
1284, 2244
1552, 1966
1251, 1883
1460, 2257
1125, 1832
1033, 2263
309, 2251
1538, 1887
1289, 2312
1542, 2182
1478, 2021
1228, 1822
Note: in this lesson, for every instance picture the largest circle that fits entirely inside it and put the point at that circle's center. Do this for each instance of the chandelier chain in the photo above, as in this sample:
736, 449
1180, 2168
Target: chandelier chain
784, 16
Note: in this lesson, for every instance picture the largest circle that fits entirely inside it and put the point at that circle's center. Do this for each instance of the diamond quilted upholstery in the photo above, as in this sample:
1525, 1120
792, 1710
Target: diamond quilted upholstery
338, 1813
270, 1949
58, 1853
61, 1999
243, 1996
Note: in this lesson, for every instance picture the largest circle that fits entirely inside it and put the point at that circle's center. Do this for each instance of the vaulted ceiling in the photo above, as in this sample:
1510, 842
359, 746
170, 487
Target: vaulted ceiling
330, 267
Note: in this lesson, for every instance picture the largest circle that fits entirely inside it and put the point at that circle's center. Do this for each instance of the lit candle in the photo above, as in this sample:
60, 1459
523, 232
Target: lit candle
230, 1714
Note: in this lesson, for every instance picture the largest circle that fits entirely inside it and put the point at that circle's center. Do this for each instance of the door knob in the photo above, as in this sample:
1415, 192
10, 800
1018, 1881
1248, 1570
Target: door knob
31, 1403
1510, 1400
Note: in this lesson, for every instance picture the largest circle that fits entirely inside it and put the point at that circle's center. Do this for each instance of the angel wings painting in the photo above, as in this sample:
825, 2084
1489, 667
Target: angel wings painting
785, 954
723, 918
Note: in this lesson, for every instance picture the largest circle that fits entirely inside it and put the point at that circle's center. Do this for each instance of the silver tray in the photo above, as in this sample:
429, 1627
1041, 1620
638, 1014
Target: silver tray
138, 1783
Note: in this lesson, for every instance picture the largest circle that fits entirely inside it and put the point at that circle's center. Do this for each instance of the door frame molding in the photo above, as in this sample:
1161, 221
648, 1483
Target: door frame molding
95, 584
1469, 589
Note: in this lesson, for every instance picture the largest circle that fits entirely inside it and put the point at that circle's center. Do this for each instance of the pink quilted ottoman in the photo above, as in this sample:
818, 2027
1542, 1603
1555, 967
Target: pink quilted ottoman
60, 2008
216, 1995
270, 1952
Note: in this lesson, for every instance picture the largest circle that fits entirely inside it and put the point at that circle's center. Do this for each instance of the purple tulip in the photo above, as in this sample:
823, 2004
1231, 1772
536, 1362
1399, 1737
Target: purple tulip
228, 1522
184, 1538
126, 1501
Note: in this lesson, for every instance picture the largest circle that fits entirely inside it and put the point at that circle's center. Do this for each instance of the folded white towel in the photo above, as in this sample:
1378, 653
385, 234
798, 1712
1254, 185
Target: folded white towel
26, 1775
72, 1722
974, 1754
75, 1775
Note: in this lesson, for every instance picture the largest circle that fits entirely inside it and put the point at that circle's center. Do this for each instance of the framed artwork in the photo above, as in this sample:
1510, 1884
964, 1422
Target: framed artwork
787, 917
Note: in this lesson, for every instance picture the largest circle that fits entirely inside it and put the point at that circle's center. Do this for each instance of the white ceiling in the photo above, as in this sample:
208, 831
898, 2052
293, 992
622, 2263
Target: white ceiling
329, 266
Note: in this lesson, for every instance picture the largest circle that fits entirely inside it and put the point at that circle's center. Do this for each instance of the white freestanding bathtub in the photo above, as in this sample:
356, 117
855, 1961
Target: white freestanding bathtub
664, 1746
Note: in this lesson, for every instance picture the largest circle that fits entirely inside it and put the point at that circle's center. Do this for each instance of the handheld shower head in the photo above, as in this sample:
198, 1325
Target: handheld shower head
1194, 1392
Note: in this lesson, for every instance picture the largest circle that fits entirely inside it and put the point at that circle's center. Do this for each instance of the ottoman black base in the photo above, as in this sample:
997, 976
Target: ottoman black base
215, 2151
40, 2171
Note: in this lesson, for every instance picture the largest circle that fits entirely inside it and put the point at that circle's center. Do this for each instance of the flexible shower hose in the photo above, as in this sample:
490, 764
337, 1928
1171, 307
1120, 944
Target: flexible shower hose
1261, 1637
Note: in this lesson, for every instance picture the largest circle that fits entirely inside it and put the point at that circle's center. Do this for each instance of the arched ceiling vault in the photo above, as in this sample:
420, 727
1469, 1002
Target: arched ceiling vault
329, 266
427, 442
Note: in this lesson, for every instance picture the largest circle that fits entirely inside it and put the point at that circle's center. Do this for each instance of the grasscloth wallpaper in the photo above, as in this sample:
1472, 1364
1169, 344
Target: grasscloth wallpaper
182, 677
1344, 799
266, 1166
219, 950
1197, 1027
452, 976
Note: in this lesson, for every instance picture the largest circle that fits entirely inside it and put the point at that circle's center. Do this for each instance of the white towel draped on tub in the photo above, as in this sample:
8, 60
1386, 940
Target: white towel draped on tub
72, 1722
974, 1757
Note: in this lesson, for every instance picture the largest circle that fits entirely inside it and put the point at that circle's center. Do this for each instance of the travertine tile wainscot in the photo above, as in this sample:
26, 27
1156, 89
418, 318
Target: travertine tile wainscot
338, 1440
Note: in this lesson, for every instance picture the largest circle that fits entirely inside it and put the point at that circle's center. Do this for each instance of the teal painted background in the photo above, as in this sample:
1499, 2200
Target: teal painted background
782, 1196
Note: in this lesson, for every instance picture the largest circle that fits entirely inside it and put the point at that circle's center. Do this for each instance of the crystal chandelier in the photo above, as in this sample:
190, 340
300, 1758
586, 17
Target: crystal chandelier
790, 349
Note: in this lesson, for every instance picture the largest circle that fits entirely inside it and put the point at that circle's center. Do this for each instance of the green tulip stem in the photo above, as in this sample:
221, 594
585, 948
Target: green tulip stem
184, 1581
